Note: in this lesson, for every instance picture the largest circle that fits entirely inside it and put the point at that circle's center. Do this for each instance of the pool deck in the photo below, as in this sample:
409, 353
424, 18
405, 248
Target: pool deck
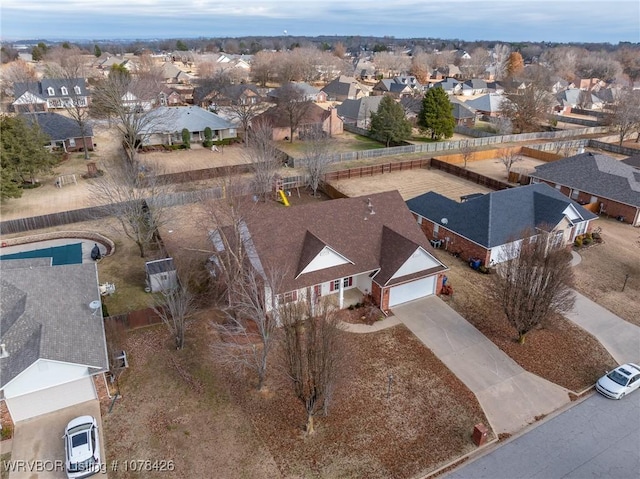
87, 246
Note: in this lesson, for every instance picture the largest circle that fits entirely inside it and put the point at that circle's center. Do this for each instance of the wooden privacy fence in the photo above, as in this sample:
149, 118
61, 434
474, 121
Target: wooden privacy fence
373, 170
136, 319
469, 175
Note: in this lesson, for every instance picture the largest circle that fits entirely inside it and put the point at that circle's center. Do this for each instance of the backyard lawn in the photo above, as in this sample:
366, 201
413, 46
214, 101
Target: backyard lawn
343, 143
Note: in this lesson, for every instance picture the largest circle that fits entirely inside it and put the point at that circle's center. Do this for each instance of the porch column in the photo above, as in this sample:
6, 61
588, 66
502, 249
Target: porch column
341, 293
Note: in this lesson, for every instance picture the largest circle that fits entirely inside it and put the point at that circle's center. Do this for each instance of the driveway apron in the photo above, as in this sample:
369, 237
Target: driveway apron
511, 397
38, 442
619, 337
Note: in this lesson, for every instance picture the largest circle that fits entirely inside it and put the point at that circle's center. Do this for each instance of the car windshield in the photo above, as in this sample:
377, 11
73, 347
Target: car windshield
616, 377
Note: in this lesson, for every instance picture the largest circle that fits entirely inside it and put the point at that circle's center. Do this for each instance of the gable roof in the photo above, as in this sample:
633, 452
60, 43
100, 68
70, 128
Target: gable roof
359, 109
498, 217
490, 102
289, 238
40, 88
343, 86
278, 117
45, 314
597, 174
460, 110
57, 127
168, 119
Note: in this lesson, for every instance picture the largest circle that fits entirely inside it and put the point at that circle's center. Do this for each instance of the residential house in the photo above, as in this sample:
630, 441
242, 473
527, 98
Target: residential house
576, 98
451, 86
49, 94
463, 115
53, 351
212, 97
358, 112
345, 88
63, 132
591, 178
164, 125
392, 88
172, 74
170, 97
315, 117
488, 105
308, 92
365, 70
342, 250
485, 226
475, 86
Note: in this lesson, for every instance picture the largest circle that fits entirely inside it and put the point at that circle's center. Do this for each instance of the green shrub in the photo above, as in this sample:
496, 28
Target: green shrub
587, 241
6, 432
578, 242
186, 138
208, 134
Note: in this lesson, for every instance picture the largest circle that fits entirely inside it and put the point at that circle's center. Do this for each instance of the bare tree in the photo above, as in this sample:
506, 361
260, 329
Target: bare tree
137, 199
508, 157
501, 55
467, 150
263, 158
130, 100
69, 64
294, 105
247, 331
318, 156
175, 306
530, 107
534, 282
312, 354
625, 115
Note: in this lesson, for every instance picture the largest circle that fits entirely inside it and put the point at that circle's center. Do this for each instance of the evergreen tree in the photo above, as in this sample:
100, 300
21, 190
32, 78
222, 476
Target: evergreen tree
436, 114
22, 154
181, 46
389, 122
97, 51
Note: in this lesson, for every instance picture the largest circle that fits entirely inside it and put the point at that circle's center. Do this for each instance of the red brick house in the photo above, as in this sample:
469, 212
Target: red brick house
315, 117
590, 178
343, 249
484, 226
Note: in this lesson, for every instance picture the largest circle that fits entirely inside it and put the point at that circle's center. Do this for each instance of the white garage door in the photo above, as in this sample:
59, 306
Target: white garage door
410, 291
51, 399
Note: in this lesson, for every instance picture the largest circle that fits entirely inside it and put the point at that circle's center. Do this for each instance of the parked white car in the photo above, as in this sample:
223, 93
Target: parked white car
621, 381
82, 447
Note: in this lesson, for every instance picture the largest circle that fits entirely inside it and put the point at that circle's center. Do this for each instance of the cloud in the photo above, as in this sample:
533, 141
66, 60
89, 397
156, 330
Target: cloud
507, 20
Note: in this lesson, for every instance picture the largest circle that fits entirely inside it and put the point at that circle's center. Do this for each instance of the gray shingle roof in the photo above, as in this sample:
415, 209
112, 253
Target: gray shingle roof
500, 216
360, 109
169, 119
56, 126
41, 87
597, 174
160, 266
44, 313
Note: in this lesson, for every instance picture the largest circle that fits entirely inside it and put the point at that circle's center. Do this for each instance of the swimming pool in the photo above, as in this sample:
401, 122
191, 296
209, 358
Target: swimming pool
66, 254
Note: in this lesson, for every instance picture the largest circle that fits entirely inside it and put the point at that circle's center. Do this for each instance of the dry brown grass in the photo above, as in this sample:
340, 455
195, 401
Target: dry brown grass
179, 405
558, 351
601, 274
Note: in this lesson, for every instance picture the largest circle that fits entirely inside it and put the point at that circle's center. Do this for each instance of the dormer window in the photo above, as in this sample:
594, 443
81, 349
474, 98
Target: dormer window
77, 90
64, 90
51, 91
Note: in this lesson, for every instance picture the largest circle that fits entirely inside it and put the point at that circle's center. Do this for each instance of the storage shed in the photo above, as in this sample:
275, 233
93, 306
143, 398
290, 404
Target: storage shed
161, 275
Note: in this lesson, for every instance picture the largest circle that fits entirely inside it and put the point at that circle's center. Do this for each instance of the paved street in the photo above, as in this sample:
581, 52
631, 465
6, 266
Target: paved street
597, 438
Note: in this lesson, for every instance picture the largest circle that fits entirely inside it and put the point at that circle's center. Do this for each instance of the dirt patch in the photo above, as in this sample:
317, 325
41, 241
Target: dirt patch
558, 351
196, 158
605, 266
216, 422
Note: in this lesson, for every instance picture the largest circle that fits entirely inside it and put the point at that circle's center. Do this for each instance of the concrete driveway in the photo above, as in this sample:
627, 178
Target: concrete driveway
511, 397
619, 337
37, 442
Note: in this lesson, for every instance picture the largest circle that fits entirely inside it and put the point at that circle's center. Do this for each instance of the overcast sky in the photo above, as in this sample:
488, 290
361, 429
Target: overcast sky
506, 20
